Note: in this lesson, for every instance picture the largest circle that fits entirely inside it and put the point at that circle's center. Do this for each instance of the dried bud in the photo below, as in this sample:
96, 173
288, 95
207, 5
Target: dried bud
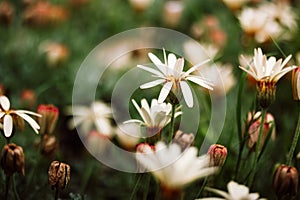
12, 159
254, 126
217, 154
58, 175
28, 98
6, 12
49, 118
296, 84
49, 145
183, 139
285, 182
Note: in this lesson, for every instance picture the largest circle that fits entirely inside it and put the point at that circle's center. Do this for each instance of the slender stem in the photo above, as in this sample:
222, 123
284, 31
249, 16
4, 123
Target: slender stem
257, 147
202, 187
294, 143
14, 188
87, 175
136, 187
147, 182
172, 124
7, 183
56, 193
237, 167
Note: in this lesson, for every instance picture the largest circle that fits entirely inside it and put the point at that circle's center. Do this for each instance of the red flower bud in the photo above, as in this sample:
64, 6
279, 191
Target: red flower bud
217, 154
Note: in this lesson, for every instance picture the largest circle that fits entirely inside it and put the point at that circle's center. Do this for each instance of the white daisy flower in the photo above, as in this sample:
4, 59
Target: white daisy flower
235, 192
171, 75
98, 114
173, 168
8, 115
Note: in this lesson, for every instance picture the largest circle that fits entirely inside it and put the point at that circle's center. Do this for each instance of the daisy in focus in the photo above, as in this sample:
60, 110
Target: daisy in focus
235, 192
266, 72
171, 75
173, 168
97, 115
9, 117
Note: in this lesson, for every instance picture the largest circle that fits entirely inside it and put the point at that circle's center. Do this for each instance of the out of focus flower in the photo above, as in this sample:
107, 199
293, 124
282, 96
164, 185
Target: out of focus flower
217, 154
49, 145
12, 159
171, 75
44, 13
266, 72
235, 4
9, 117
184, 140
97, 115
128, 135
254, 129
56, 53
7, 11
2, 90
173, 168
49, 118
140, 5
28, 98
58, 175
235, 192
195, 52
285, 182
296, 84
172, 12
97, 143
154, 117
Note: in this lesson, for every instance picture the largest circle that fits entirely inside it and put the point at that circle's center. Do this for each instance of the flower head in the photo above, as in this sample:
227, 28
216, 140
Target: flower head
173, 168
171, 75
9, 117
235, 192
97, 114
266, 72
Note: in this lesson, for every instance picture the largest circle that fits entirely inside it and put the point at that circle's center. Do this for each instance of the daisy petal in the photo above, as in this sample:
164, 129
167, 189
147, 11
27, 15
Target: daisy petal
153, 71
171, 60
187, 93
195, 67
4, 102
7, 125
152, 84
35, 126
200, 82
157, 62
139, 110
165, 92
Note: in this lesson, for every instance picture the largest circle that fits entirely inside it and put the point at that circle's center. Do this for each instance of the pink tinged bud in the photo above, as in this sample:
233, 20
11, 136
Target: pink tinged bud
49, 118
296, 84
217, 154
145, 148
184, 139
285, 182
12, 159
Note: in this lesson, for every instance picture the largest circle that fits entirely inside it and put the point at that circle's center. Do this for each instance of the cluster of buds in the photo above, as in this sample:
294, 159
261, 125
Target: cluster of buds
12, 159
254, 124
184, 140
285, 182
217, 155
58, 175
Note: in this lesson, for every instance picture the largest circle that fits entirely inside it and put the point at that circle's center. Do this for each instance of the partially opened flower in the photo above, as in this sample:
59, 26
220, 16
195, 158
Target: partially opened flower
173, 168
235, 192
266, 72
98, 114
171, 75
9, 117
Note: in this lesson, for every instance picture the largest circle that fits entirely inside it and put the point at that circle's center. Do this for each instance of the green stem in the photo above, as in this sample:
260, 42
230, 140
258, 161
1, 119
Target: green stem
202, 187
147, 182
87, 175
132, 196
257, 146
15, 189
7, 183
172, 124
237, 167
294, 143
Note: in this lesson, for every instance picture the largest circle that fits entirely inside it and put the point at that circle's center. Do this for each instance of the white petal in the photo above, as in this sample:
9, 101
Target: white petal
171, 60
7, 125
165, 92
35, 126
28, 112
187, 93
157, 63
139, 110
147, 116
283, 72
5, 104
178, 68
195, 67
145, 105
200, 82
153, 71
152, 84
2, 114
255, 76
237, 191
219, 192
103, 126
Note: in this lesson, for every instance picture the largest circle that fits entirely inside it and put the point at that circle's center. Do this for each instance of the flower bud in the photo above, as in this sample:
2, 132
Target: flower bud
49, 145
285, 182
28, 98
140, 5
254, 129
145, 148
183, 139
296, 84
172, 12
6, 12
12, 159
58, 175
217, 154
49, 118
56, 53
